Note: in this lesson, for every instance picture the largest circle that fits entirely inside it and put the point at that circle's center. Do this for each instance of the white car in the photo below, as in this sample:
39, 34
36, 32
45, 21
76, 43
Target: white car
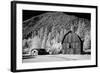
34, 52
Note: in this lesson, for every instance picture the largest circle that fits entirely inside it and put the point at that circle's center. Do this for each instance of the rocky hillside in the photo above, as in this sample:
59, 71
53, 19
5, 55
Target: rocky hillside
49, 28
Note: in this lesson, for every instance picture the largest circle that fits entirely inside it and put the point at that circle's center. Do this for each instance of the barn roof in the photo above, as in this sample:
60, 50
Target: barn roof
71, 37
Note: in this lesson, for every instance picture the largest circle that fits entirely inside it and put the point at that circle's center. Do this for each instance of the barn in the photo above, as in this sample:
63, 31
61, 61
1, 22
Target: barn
71, 43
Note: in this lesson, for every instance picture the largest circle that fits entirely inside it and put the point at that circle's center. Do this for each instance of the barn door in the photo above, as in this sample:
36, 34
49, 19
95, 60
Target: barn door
69, 48
72, 48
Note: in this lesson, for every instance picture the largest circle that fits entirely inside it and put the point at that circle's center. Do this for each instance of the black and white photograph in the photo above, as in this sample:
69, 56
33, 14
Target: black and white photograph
55, 36
48, 36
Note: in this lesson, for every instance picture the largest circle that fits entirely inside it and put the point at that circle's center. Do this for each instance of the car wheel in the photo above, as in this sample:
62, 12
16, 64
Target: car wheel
34, 52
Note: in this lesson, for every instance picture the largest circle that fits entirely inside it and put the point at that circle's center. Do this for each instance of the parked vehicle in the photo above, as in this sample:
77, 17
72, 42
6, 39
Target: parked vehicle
34, 52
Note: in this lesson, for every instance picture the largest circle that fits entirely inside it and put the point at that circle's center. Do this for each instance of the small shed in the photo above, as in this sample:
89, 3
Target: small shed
71, 43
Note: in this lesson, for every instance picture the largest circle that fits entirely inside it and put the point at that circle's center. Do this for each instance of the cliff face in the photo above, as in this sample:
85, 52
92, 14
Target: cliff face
50, 29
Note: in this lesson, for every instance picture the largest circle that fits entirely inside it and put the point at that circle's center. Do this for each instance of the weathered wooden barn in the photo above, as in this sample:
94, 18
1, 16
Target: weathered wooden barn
71, 43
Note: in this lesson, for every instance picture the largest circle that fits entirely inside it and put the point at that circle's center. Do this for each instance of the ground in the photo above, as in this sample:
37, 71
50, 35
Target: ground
50, 58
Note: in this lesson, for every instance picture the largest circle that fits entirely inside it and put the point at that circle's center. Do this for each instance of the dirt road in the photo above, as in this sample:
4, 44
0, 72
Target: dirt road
49, 58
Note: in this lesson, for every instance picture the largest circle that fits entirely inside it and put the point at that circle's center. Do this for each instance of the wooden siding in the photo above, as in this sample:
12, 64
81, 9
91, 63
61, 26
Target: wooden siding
71, 43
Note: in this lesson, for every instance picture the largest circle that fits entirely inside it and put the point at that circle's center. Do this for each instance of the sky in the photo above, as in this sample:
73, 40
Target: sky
30, 13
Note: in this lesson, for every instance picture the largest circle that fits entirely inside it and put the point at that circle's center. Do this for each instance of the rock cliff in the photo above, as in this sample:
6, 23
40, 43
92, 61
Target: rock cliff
50, 28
